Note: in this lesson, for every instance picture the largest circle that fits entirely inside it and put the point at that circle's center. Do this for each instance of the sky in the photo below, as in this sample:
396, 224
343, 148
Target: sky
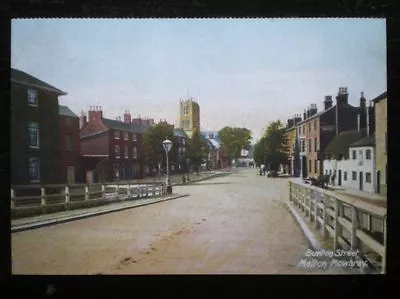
242, 72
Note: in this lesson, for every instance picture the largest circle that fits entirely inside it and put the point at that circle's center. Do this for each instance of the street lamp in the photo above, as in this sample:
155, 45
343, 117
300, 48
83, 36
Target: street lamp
167, 146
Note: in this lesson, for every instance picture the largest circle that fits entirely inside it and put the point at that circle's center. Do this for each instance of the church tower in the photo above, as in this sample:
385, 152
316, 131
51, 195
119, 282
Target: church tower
189, 116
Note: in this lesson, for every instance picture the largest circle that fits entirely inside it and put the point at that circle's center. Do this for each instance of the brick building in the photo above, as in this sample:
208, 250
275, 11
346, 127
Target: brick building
317, 129
69, 145
111, 149
34, 130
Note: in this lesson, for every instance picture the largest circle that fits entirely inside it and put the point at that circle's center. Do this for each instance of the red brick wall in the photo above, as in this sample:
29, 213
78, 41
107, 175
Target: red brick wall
96, 145
69, 157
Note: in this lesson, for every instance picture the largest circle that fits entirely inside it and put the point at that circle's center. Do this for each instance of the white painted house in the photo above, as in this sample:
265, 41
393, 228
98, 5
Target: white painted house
356, 168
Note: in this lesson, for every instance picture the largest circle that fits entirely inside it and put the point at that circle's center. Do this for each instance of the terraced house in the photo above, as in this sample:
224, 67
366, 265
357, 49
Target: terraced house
319, 128
34, 130
111, 149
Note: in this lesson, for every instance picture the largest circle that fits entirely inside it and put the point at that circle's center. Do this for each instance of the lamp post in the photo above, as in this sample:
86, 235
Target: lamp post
167, 146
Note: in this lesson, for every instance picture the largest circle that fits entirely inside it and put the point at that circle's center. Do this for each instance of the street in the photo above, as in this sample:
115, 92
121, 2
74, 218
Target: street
237, 224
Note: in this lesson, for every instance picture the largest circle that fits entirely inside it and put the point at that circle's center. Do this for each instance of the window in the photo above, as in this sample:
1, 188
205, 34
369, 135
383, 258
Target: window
134, 150
126, 135
33, 129
309, 127
309, 165
183, 141
304, 129
134, 137
116, 134
309, 145
354, 154
116, 150
345, 176
34, 169
368, 154
68, 142
368, 177
32, 97
315, 166
299, 130
354, 175
386, 142
330, 171
126, 152
186, 110
315, 144
303, 145
315, 124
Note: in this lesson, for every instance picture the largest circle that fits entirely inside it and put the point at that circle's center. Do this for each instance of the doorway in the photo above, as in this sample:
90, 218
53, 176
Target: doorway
378, 181
361, 180
340, 177
304, 166
71, 174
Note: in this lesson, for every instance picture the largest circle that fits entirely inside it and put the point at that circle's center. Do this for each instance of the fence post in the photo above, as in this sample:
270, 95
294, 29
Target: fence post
86, 193
324, 215
383, 271
337, 225
290, 191
139, 191
147, 190
154, 190
103, 191
316, 202
128, 190
13, 199
66, 196
354, 227
42, 196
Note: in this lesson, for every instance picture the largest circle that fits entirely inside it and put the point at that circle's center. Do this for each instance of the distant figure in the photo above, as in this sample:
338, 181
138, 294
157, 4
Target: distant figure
333, 179
262, 169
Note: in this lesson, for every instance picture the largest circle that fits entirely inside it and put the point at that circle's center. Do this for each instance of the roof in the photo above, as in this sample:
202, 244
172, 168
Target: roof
65, 111
26, 79
380, 97
180, 133
341, 143
368, 140
316, 115
122, 126
214, 143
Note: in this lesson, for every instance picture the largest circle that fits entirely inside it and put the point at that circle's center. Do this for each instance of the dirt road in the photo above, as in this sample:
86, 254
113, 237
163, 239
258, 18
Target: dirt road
234, 224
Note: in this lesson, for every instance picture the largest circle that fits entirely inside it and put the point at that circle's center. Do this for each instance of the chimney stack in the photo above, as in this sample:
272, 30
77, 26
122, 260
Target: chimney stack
304, 115
313, 109
127, 117
342, 97
82, 120
328, 102
95, 114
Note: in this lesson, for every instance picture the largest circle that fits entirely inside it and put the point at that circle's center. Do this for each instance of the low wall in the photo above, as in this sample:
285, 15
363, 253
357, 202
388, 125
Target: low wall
351, 223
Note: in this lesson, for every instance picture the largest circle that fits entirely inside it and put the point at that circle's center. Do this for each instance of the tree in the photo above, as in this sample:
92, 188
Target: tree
234, 140
271, 149
154, 152
197, 150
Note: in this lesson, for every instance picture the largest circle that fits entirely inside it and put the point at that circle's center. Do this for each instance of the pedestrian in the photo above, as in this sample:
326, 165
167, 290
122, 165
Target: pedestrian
333, 179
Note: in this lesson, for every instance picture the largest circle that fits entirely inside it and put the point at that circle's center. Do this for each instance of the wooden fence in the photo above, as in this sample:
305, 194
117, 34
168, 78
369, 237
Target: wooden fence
63, 197
352, 224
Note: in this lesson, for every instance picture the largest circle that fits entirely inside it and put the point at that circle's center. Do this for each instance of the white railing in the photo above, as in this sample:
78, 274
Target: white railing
351, 223
31, 196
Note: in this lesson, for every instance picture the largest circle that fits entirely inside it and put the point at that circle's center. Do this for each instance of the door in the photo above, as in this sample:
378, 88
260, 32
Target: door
339, 178
71, 174
89, 177
361, 180
378, 181
304, 166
